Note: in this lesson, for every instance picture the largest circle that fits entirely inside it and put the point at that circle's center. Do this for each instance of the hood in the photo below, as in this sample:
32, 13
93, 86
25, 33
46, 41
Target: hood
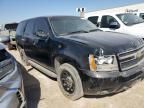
137, 30
2, 46
4, 38
110, 42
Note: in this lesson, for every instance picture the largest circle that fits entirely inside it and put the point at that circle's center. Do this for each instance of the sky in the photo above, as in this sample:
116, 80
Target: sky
17, 10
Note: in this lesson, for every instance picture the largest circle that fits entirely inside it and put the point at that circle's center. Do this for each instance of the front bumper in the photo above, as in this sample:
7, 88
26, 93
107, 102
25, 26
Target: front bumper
12, 90
101, 83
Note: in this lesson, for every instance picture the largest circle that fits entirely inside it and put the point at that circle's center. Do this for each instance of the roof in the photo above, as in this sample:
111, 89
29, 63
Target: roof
119, 7
52, 17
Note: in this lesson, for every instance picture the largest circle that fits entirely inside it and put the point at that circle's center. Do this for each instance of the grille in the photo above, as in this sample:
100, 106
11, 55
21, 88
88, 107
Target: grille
131, 59
5, 67
3, 55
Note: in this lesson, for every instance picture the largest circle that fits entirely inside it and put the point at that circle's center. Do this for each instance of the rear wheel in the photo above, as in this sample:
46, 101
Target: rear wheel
23, 57
10, 46
69, 81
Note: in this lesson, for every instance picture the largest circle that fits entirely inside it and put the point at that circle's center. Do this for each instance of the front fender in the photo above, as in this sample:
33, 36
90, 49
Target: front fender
76, 54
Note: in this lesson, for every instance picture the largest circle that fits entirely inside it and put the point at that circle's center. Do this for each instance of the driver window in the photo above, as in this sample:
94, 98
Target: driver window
41, 24
106, 21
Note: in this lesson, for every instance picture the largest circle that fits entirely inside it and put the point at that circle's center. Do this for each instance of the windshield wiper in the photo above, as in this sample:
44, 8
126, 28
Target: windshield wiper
80, 31
94, 30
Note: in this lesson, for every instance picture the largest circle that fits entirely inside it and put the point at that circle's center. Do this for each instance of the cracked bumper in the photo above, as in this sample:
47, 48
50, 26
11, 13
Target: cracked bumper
101, 83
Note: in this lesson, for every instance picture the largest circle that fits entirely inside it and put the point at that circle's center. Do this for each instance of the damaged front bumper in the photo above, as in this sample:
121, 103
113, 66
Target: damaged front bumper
101, 83
12, 90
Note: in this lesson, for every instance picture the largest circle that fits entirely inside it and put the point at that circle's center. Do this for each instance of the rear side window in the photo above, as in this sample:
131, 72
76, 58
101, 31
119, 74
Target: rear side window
29, 28
142, 15
106, 21
93, 19
20, 29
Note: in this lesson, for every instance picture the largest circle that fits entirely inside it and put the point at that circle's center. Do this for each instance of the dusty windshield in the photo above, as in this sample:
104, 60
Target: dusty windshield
130, 19
71, 25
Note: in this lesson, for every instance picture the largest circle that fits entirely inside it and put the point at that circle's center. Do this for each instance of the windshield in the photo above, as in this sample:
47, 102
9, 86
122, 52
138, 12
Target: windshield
70, 25
130, 19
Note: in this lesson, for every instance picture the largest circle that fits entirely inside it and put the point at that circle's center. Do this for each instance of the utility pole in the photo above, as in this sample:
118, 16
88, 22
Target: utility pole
81, 11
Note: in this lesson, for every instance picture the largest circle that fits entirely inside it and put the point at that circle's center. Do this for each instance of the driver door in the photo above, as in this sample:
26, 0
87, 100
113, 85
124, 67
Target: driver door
41, 42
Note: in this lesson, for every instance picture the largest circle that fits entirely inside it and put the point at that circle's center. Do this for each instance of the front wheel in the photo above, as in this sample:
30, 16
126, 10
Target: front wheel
69, 81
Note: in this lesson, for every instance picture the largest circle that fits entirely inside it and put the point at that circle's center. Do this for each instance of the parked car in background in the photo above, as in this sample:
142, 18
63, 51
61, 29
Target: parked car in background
11, 28
85, 60
12, 42
127, 23
11, 82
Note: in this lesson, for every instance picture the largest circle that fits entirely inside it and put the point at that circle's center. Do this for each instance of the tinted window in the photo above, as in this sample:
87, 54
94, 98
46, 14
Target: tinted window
130, 19
106, 21
3, 55
29, 27
41, 24
142, 15
69, 25
93, 19
20, 28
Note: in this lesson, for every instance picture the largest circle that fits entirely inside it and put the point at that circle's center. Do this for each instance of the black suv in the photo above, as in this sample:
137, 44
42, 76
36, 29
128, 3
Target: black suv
85, 60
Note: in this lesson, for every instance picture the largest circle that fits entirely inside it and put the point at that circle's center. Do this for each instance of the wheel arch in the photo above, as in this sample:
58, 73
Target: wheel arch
61, 59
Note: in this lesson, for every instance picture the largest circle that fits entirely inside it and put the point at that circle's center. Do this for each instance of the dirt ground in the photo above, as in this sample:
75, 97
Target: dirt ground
43, 92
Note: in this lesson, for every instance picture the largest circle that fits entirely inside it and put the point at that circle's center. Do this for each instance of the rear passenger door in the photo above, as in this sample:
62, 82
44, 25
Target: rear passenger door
19, 34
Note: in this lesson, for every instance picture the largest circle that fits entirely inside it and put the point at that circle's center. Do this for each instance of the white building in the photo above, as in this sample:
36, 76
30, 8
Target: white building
137, 9
121, 20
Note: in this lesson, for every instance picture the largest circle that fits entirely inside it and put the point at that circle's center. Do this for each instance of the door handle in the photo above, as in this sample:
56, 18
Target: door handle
35, 42
23, 39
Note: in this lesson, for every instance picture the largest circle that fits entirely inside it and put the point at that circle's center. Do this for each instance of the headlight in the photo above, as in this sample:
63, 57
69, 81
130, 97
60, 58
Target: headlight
104, 60
103, 63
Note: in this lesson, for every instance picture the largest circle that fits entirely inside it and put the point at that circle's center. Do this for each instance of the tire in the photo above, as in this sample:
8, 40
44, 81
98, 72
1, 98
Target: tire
77, 84
23, 56
14, 47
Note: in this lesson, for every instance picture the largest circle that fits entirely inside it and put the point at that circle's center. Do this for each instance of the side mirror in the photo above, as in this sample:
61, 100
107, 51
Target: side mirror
41, 33
114, 25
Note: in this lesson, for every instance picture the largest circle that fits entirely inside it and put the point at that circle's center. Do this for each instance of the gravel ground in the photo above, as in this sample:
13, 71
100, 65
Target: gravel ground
43, 92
